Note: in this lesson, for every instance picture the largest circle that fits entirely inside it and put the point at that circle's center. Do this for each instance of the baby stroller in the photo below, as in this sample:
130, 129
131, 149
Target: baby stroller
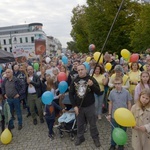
67, 121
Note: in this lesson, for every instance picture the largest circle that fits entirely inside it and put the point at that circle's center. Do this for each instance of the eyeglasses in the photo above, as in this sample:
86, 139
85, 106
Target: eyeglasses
117, 83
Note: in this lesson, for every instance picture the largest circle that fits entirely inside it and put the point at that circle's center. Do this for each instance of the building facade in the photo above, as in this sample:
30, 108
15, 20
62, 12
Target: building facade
22, 38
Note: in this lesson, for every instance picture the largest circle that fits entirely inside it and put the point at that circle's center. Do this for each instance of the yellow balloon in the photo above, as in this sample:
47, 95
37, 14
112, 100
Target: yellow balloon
96, 56
88, 59
125, 53
124, 117
108, 66
6, 136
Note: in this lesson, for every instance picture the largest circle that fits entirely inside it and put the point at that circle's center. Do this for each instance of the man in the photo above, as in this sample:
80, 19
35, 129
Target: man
72, 75
34, 94
12, 90
108, 59
16, 71
83, 88
22, 77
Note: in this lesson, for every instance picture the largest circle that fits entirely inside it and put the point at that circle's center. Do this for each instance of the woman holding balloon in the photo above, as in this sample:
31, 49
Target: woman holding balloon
141, 112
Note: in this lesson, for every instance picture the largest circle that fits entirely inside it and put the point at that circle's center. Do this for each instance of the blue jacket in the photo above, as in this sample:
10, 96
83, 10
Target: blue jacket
50, 110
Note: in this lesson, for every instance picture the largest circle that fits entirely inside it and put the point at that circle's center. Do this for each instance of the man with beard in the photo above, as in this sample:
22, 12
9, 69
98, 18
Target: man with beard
34, 94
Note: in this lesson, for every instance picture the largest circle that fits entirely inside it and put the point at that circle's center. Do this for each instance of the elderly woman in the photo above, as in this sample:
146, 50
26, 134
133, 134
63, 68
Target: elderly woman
119, 72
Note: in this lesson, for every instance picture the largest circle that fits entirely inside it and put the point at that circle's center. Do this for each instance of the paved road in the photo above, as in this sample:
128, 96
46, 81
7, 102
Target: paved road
33, 137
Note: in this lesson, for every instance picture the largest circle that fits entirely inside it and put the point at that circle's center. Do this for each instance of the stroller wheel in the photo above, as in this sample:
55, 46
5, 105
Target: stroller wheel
72, 137
61, 135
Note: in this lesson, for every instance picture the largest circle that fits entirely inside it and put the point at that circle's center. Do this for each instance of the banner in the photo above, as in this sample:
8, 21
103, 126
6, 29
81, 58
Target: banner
40, 47
23, 52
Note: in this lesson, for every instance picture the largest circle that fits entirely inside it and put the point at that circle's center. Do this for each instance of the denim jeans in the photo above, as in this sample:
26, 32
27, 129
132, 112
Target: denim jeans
15, 104
115, 124
99, 103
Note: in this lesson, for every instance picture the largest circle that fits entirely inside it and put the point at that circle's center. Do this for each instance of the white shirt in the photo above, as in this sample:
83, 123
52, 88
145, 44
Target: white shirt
31, 88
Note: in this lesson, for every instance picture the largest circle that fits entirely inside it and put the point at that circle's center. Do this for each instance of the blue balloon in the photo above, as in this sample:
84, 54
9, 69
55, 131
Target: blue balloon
64, 60
62, 86
47, 97
1, 69
87, 66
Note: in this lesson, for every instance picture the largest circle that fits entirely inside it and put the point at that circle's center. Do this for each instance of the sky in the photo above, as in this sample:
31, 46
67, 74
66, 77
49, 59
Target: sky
55, 15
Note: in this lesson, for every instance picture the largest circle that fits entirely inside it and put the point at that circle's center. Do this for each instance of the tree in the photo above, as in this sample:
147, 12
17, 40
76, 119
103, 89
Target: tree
72, 46
104, 13
140, 36
91, 24
79, 28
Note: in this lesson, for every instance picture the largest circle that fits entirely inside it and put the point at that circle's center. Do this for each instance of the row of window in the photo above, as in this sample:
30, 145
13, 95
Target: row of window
17, 40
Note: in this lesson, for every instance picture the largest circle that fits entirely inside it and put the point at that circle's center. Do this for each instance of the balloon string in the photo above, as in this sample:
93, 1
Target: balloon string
110, 122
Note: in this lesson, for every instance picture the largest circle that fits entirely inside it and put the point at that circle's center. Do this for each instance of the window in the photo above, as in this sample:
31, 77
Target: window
20, 40
4, 42
10, 49
5, 49
32, 39
26, 39
9, 41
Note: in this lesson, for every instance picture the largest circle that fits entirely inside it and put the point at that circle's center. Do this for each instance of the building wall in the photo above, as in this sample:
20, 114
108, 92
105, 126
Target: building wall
23, 36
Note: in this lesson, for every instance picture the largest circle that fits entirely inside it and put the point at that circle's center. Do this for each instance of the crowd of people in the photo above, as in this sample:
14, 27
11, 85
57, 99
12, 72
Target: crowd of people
91, 91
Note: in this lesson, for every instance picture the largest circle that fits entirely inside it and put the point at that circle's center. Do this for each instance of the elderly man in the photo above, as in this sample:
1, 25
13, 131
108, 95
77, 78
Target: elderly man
34, 94
12, 90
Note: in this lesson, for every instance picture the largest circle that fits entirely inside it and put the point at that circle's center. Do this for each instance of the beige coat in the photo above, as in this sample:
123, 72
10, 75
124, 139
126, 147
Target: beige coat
141, 140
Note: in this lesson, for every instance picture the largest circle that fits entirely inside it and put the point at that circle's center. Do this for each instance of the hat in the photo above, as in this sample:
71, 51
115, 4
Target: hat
118, 68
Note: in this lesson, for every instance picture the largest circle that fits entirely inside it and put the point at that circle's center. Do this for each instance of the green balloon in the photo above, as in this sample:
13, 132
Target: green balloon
119, 136
36, 66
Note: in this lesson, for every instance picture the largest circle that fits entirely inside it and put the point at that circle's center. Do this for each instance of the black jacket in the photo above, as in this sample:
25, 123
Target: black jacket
76, 91
37, 84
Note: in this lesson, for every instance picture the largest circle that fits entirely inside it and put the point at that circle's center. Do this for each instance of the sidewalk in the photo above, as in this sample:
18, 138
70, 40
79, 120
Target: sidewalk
33, 137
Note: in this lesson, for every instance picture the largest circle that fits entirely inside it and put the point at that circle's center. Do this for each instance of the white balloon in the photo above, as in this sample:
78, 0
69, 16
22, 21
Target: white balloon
47, 59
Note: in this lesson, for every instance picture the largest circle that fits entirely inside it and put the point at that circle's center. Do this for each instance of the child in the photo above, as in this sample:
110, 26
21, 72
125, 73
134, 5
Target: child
119, 97
141, 112
49, 113
5, 114
144, 83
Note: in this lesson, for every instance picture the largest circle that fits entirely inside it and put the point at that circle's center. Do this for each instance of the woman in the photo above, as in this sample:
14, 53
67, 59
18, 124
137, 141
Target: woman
102, 80
134, 75
119, 72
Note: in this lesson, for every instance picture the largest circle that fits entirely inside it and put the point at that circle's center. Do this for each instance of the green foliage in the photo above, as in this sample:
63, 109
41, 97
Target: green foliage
79, 31
91, 24
140, 36
72, 46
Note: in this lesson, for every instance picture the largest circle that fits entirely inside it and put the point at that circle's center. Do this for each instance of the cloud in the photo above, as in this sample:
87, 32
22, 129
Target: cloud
55, 15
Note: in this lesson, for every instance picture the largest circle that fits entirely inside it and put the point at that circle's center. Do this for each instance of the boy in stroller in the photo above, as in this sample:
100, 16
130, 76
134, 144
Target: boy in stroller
67, 121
